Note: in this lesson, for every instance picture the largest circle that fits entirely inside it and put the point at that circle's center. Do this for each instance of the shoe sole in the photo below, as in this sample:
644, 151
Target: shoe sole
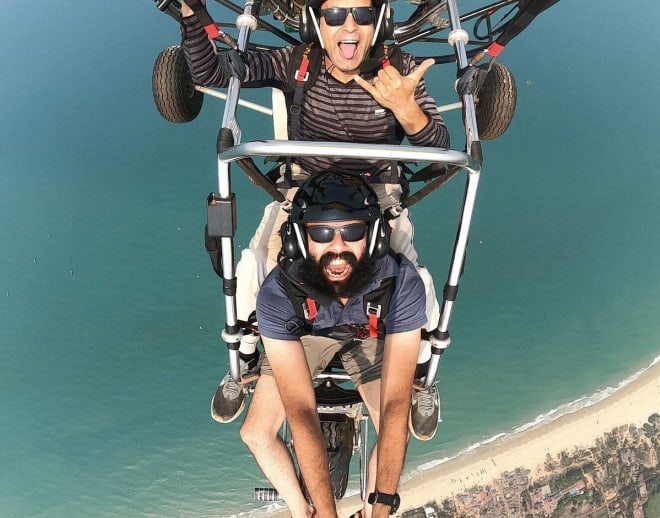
249, 378
418, 437
217, 417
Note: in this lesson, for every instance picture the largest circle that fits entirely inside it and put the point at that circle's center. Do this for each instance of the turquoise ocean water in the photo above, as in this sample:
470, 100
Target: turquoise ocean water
110, 314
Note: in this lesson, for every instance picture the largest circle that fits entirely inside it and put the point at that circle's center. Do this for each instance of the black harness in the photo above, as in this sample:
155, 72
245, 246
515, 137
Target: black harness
306, 301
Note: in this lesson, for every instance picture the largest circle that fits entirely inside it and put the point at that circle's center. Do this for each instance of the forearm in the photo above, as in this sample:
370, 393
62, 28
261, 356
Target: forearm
395, 390
392, 445
411, 117
200, 54
434, 134
423, 124
294, 383
313, 460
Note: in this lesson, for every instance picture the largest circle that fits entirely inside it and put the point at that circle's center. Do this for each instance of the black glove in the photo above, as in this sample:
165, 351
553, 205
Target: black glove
233, 64
471, 79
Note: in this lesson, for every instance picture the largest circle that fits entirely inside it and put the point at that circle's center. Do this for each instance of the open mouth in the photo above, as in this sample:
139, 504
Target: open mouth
337, 269
348, 48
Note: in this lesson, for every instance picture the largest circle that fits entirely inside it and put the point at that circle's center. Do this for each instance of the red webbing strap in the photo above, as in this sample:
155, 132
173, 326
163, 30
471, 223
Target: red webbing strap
204, 18
494, 49
373, 325
311, 310
386, 57
301, 73
212, 30
301, 76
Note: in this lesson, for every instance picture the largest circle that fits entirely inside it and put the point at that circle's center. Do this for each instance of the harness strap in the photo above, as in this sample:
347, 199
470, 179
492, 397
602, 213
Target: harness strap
309, 309
528, 11
393, 177
301, 76
373, 319
306, 305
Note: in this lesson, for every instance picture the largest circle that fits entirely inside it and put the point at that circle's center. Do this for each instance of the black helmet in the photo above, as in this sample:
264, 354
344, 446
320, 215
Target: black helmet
334, 196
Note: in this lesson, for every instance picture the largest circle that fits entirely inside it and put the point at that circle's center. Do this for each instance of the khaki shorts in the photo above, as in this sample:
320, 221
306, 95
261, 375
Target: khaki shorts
363, 362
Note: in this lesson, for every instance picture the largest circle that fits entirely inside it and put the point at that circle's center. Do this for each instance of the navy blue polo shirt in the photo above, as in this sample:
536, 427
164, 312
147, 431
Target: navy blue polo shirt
407, 310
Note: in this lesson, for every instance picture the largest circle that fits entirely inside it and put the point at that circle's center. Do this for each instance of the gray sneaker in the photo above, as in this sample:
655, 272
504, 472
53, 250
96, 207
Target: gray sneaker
229, 399
424, 413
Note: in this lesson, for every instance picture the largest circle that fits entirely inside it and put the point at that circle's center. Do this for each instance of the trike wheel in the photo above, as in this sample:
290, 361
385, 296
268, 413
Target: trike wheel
496, 102
338, 435
173, 88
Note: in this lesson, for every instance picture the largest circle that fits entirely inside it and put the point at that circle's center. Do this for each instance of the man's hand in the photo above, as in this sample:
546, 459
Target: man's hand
397, 93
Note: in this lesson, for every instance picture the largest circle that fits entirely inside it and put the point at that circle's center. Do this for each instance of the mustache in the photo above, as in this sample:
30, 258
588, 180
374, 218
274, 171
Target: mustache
313, 274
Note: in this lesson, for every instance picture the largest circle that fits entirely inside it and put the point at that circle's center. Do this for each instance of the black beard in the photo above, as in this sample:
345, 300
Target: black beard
362, 274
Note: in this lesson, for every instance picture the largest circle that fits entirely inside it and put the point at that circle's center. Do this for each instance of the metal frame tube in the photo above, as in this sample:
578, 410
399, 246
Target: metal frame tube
246, 22
469, 200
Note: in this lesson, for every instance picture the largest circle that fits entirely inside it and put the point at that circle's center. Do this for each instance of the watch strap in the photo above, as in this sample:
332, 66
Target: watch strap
392, 501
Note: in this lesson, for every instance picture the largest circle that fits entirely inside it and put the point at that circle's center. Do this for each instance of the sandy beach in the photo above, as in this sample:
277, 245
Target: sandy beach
632, 404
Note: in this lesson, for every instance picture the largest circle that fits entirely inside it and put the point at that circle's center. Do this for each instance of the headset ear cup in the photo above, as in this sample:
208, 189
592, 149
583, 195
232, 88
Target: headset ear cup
289, 242
386, 27
382, 244
306, 29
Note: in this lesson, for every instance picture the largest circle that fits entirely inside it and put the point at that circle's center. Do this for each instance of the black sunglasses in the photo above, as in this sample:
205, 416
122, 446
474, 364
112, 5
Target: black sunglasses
349, 233
336, 16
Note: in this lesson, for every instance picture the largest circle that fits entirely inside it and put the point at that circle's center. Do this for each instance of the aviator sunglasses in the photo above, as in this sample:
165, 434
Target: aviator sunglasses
349, 233
336, 16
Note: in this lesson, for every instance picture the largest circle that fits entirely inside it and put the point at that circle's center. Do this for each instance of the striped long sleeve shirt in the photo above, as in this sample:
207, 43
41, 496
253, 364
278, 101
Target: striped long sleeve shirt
331, 110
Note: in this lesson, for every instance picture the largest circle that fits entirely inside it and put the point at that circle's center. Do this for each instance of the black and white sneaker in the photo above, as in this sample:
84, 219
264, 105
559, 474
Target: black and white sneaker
229, 399
424, 413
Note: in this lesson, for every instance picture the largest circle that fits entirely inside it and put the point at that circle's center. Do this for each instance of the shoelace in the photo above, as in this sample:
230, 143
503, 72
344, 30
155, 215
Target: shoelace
425, 402
231, 389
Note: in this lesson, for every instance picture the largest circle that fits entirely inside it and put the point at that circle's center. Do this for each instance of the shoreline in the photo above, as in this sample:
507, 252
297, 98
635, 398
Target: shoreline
631, 404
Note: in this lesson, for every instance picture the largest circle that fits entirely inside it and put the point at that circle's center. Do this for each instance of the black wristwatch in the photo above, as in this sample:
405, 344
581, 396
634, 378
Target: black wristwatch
383, 498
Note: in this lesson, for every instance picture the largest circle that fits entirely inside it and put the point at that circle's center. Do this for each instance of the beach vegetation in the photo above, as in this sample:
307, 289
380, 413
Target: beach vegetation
652, 507
564, 506
565, 459
596, 499
649, 429
565, 479
612, 441
615, 478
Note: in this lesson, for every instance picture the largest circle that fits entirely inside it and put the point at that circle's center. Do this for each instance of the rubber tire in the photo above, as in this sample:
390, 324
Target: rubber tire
338, 437
496, 102
173, 88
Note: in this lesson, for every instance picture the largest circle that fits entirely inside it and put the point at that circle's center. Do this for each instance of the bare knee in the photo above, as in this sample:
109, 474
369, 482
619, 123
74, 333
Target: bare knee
265, 416
251, 435
257, 433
